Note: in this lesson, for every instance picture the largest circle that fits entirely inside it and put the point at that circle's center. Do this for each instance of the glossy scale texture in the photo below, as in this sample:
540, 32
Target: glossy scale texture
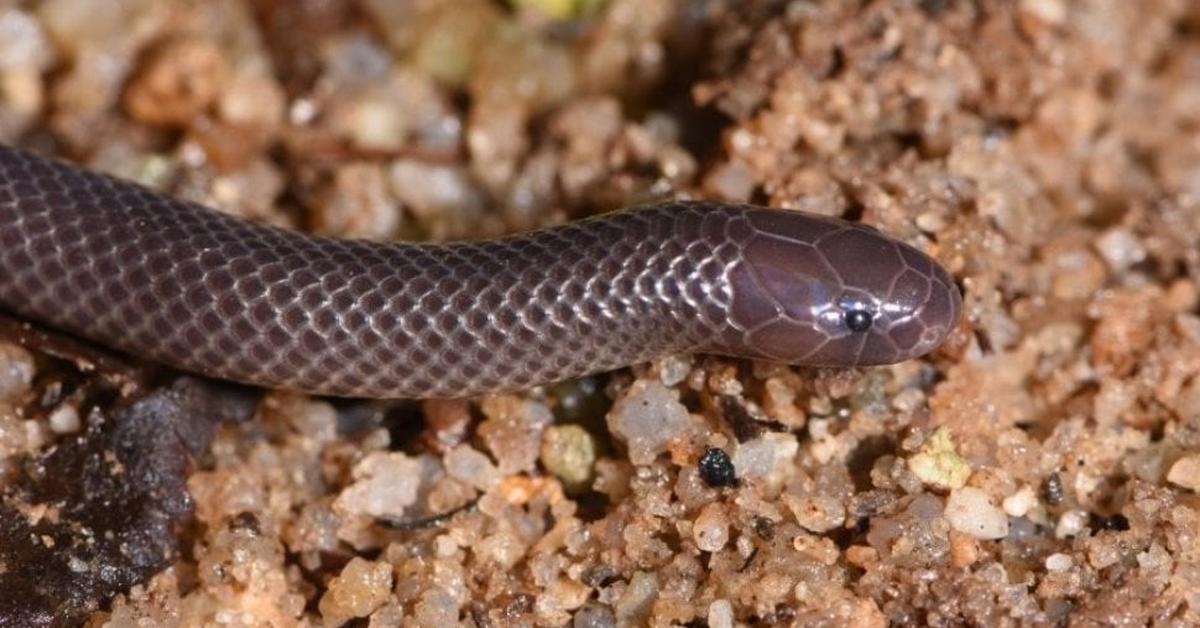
185, 285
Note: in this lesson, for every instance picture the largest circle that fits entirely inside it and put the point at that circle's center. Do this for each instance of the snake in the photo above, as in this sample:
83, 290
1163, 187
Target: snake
181, 284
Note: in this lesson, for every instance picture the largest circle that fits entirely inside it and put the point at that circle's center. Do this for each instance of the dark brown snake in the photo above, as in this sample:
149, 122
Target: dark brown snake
185, 285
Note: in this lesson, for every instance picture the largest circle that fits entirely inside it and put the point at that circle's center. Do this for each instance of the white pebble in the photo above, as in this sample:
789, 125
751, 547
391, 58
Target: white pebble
23, 43
1185, 473
471, 466
1071, 523
647, 418
930, 222
64, 420
1020, 502
1120, 249
16, 370
720, 614
385, 485
765, 456
377, 124
303, 111
672, 370
429, 190
1059, 562
970, 511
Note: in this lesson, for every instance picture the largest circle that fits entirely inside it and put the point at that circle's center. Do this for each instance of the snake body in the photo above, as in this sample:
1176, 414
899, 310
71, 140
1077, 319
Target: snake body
185, 285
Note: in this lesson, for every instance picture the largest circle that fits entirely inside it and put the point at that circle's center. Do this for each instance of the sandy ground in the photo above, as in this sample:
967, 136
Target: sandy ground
1041, 468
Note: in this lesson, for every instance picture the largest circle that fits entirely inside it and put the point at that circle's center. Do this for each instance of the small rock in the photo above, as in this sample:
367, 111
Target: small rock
181, 81
720, 614
558, 599
716, 468
816, 512
1186, 473
359, 204
437, 608
568, 452
770, 456
16, 370
357, 591
253, 100
711, 528
647, 418
594, 615
1120, 249
634, 605
65, 420
1020, 502
1071, 523
385, 485
23, 42
1059, 562
937, 463
970, 511
432, 191
513, 431
471, 466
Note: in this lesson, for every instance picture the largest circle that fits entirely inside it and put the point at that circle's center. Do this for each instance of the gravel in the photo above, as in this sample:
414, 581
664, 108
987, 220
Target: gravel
1038, 469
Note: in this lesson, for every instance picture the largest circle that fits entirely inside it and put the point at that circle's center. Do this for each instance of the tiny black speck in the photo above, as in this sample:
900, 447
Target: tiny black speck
858, 320
716, 468
1117, 522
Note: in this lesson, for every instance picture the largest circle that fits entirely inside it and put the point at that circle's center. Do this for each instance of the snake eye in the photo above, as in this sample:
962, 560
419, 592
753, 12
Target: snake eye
858, 320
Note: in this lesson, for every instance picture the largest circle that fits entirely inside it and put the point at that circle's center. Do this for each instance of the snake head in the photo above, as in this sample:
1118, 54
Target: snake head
819, 291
